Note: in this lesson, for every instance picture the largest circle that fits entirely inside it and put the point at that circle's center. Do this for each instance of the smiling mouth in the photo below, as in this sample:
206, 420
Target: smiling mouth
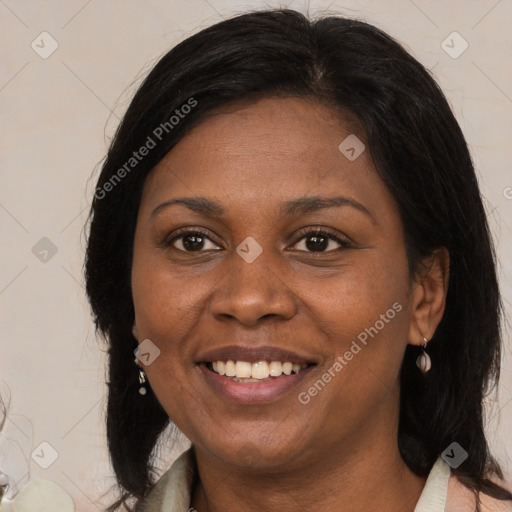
260, 371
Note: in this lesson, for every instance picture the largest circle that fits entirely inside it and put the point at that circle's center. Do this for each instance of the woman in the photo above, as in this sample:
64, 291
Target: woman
288, 232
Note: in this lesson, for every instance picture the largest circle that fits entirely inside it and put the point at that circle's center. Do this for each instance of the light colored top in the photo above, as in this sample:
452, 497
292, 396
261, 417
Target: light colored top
442, 492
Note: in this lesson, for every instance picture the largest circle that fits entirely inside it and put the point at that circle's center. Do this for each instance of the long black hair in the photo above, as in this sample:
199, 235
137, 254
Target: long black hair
419, 151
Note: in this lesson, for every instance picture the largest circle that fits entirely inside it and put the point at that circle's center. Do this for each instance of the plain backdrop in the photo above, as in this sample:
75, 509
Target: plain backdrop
57, 116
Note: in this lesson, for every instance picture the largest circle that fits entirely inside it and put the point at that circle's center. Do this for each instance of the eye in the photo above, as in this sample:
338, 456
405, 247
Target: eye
317, 240
191, 240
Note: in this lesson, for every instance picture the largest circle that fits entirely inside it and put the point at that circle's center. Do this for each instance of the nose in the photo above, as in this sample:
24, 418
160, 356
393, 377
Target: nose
251, 292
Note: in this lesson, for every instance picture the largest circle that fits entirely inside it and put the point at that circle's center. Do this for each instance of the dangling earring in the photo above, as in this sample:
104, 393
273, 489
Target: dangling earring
423, 362
142, 378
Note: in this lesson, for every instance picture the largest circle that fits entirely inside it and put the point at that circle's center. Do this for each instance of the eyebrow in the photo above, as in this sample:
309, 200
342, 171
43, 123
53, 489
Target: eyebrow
300, 206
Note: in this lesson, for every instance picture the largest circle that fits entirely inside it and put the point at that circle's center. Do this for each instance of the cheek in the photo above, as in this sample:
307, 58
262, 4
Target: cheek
158, 310
169, 305
364, 316
166, 302
164, 316
356, 297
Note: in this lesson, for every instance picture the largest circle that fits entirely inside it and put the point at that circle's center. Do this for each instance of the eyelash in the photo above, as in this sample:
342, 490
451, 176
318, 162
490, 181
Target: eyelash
301, 234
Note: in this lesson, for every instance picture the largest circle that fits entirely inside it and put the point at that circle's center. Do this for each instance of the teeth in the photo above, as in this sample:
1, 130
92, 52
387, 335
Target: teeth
243, 370
262, 370
230, 369
275, 368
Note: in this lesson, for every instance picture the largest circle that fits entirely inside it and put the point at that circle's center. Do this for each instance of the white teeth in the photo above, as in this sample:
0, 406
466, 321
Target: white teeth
287, 368
243, 369
275, 368
230, 369
262, 370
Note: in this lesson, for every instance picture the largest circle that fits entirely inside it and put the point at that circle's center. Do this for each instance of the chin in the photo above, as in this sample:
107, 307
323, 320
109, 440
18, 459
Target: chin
253, 451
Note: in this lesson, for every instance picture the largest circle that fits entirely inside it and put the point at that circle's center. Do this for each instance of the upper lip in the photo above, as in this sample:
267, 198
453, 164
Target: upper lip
253, 355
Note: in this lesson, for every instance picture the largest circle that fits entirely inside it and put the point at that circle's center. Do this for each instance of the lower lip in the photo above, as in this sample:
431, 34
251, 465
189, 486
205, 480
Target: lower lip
254, 392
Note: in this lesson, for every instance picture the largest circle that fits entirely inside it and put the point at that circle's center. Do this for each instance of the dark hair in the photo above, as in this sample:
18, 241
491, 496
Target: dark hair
419, 151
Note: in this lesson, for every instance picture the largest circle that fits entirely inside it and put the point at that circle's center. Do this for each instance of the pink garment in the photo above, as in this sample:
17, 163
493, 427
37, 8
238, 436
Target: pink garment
461, 499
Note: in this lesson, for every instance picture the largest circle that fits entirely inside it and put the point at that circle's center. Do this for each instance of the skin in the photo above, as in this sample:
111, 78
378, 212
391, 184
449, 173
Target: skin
341, 447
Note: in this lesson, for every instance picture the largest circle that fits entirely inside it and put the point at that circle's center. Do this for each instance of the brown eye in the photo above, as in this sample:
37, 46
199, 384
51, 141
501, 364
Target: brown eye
319, 241
191, 241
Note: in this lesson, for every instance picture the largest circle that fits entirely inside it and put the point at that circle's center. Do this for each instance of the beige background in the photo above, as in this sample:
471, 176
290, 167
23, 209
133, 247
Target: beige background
57, 115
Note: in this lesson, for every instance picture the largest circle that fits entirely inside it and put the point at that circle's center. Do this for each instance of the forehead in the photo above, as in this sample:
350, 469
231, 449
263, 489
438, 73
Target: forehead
264, 152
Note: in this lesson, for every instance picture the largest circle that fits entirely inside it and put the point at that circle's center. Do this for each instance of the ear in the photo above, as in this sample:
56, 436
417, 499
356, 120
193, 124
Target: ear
134, 331
429, 296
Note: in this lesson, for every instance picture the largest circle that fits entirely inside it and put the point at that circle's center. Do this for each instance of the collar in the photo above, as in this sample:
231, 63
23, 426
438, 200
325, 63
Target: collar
442, 491
433, 496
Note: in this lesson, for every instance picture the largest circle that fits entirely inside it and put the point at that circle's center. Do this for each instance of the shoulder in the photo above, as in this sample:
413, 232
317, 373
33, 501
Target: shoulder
462, 499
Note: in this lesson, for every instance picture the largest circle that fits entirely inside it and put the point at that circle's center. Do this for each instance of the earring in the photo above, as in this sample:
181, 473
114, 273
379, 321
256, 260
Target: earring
423, 362
142, 378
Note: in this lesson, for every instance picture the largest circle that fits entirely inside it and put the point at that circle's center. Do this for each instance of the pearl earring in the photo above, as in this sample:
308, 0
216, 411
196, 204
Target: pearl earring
142, 378
423, 362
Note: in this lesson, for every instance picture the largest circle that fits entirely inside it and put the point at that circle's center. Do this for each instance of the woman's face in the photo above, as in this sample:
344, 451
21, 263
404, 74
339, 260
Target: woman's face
254, 283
